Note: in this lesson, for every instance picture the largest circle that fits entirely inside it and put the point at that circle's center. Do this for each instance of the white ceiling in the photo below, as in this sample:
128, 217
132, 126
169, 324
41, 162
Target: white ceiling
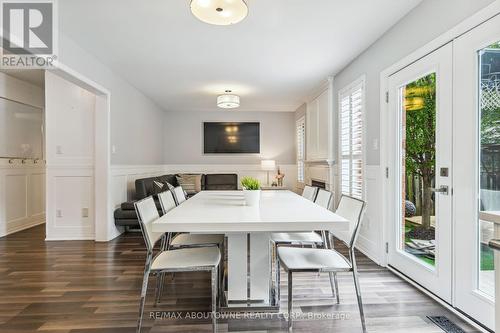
281, 52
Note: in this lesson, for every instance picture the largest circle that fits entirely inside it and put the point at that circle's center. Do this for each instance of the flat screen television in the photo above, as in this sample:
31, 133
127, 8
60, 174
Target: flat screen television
231, 138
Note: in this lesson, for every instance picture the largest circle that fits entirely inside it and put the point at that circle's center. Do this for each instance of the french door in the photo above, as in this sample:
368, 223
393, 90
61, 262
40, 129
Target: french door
420, 106
444, 163
477, 180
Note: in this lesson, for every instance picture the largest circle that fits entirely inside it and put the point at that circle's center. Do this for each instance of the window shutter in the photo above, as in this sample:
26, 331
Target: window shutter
351, 140
301, 134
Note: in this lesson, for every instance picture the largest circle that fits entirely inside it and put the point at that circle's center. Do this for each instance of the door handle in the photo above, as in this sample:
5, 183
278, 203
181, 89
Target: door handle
442, 189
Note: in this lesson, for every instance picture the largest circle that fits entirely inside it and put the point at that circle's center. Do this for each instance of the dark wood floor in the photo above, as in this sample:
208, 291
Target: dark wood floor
88, 287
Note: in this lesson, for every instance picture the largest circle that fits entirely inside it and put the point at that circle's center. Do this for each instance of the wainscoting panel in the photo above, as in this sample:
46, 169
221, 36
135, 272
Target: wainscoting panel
70, 204
242, 170
123, 180
73, 199
16, 199
36, 193
371, 236
22, 196
123, 185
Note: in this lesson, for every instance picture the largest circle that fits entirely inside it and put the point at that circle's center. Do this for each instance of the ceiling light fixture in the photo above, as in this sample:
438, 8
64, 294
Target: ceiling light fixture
228, 100
219, 12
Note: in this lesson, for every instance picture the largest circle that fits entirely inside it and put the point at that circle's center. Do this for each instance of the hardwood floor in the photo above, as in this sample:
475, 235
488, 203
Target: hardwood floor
88, 287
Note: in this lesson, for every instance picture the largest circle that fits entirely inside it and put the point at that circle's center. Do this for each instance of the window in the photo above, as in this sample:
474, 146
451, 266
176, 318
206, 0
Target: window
351, 105
301, 135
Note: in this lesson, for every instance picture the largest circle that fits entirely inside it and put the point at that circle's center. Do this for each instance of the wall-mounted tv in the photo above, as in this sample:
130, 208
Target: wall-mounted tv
231, 138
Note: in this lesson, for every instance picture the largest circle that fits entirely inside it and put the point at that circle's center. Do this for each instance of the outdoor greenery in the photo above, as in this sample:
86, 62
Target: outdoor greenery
420, 141
249, 183
486, 253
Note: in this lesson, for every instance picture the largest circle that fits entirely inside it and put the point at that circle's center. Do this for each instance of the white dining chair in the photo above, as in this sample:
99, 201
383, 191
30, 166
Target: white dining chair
309, 192
179, 195
171, 261
186, 240
310, 238
295, 259
167, 203
324, 198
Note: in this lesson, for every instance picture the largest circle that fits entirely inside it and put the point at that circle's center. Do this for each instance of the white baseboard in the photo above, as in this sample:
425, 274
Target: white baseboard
24, 226
369, 249
54, 239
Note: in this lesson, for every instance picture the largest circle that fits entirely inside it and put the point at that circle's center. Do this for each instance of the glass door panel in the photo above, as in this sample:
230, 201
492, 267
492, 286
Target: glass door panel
418, 125
489, 161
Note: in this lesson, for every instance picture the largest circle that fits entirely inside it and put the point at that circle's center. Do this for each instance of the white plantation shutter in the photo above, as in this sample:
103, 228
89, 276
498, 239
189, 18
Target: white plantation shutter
351, 140
301, 136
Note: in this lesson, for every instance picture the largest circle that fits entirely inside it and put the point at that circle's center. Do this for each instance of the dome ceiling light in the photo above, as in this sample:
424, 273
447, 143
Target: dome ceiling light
228, 100
219, 12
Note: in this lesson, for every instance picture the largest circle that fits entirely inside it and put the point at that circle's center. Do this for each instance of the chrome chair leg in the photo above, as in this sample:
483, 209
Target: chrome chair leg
332, 284
290, 300
277, 280
336, 282
215, 281
144, 291
157, 289
358, 295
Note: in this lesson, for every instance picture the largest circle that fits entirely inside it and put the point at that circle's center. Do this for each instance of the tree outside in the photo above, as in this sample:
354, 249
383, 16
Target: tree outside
420, 148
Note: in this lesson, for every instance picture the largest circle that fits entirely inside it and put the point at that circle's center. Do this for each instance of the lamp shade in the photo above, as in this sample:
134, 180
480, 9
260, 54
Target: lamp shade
268, 165
228, 101
219, 12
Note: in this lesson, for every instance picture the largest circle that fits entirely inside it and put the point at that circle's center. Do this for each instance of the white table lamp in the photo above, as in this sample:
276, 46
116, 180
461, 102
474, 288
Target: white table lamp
268, 165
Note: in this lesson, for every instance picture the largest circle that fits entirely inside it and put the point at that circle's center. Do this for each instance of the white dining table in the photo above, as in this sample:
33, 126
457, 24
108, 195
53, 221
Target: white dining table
248, 234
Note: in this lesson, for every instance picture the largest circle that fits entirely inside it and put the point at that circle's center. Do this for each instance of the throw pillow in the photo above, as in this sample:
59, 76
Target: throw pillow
190, 183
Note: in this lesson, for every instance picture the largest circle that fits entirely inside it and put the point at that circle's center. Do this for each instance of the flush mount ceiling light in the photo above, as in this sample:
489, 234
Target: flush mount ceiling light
219, 12
228, 100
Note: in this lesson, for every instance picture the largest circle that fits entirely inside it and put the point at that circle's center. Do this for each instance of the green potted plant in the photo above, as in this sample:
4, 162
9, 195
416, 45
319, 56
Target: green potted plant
251, 190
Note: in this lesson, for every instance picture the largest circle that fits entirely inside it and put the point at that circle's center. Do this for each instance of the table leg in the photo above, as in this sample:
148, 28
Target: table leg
237, 267
249, 270
260, 267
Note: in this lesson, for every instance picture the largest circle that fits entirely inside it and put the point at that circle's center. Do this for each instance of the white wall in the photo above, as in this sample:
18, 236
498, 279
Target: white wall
70, 154
183, 141
424, 23
22, 186
136, 122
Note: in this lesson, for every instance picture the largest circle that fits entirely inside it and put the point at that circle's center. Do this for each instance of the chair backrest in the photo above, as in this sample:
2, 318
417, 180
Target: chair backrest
179, 195
310, 192
147, 214
351, 209
324, 198
167, 201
